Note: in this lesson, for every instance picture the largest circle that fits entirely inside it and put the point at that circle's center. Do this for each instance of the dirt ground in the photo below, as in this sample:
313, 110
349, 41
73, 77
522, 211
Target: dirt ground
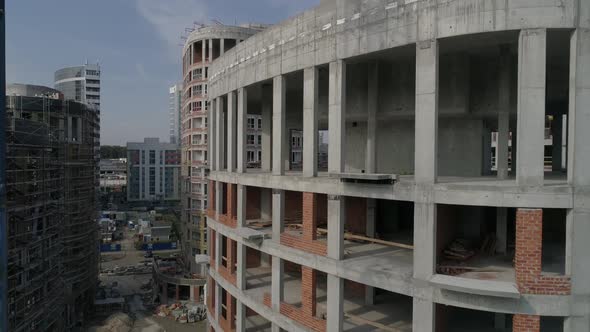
140, 318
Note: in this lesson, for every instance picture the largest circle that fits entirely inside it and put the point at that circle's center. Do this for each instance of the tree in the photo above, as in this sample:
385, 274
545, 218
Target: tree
113, 152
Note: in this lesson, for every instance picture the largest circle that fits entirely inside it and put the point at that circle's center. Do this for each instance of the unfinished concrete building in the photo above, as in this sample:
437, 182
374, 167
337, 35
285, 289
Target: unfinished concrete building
51, 185
411, 226
202, 47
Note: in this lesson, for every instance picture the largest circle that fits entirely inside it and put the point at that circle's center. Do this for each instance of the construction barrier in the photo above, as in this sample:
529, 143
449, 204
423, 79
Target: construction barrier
110, 247
159, 246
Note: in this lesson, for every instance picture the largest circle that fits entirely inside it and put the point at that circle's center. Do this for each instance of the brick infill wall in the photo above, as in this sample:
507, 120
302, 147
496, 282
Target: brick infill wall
528, 257
297, 314
526, 323
308, 241
314, 247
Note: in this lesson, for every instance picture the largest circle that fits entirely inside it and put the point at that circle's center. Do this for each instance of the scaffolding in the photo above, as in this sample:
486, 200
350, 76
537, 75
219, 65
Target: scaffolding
52, 181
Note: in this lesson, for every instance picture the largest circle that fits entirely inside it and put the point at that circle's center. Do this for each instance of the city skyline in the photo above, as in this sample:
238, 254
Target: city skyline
132, 87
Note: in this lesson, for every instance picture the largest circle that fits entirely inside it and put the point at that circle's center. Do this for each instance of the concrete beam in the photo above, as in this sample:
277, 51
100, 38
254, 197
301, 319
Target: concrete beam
241, 129
372, 104
279, 121
231, 131
267, 119
424, 240
310, 121
336, 221
532, 62
335, 307
426, 134
579, 109
336, 116
424, 315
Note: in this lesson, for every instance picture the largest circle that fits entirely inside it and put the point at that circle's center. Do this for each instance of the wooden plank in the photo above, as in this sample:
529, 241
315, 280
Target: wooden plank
368, 322
368, 239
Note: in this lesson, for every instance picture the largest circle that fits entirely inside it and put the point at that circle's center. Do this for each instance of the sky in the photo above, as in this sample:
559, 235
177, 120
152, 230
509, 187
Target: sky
136, 42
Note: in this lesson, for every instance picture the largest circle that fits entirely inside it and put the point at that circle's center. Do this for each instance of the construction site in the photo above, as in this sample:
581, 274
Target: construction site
51, 207
423, 168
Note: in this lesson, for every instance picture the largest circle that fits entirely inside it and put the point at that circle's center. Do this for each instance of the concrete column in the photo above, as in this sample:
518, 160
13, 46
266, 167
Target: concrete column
204, 50
532, 62
579, 109
218, 251
220, 137
241, 264
426, 111
372, 104
222, 46
501, 229
503, 114
231, 131
336, 116
210, 49
267, 105
424, 240
424, 313
278, 214
218, 302
241, 205
310, 121
211, 135
557, 131
240, 316
277, 283
370, 232
242, 122
578, 227
335, 307
279, 123
336, 221
219, 197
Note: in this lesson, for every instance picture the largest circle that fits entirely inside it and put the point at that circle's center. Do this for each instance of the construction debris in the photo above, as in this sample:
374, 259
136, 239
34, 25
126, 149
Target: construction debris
458, 251
182, 313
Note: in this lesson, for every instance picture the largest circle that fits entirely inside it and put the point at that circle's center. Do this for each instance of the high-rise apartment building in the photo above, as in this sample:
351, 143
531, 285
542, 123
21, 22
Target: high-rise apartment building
409, 226
80, 83
202, 47
174, 110
153, 171
52, 180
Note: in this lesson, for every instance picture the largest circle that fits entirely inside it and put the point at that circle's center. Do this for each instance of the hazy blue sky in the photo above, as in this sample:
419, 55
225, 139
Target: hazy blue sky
135, 41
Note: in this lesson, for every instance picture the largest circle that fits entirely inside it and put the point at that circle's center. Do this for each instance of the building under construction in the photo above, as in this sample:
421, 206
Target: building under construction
51, 169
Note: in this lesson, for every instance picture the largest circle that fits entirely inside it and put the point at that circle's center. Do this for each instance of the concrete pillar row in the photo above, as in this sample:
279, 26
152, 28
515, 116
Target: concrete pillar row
532, 63
310, 121
279, 121
336, 116
231, 131
241, 129
426, 133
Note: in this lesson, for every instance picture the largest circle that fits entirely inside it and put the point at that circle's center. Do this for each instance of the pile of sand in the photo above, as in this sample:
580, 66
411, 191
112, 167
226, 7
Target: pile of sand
118, 322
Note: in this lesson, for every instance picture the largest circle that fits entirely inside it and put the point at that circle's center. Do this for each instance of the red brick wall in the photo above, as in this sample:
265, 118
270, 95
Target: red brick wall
356, 215
314, 247
229, 272
308, 291
354, 288
526, 323
296, 314
527, 260
228, 323
253, 203
310, 216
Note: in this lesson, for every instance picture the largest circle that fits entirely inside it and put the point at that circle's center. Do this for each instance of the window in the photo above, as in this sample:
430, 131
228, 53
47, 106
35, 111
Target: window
259, 155
296, 142
251, 123
250, 140
142, 156
92, 72
259, 139
296, 157
152, 157
152, 181
251, 156
259, 124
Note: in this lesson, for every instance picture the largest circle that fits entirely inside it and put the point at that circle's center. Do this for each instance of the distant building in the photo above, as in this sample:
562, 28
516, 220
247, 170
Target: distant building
113, 175
175, 107
153, 171
80, 83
